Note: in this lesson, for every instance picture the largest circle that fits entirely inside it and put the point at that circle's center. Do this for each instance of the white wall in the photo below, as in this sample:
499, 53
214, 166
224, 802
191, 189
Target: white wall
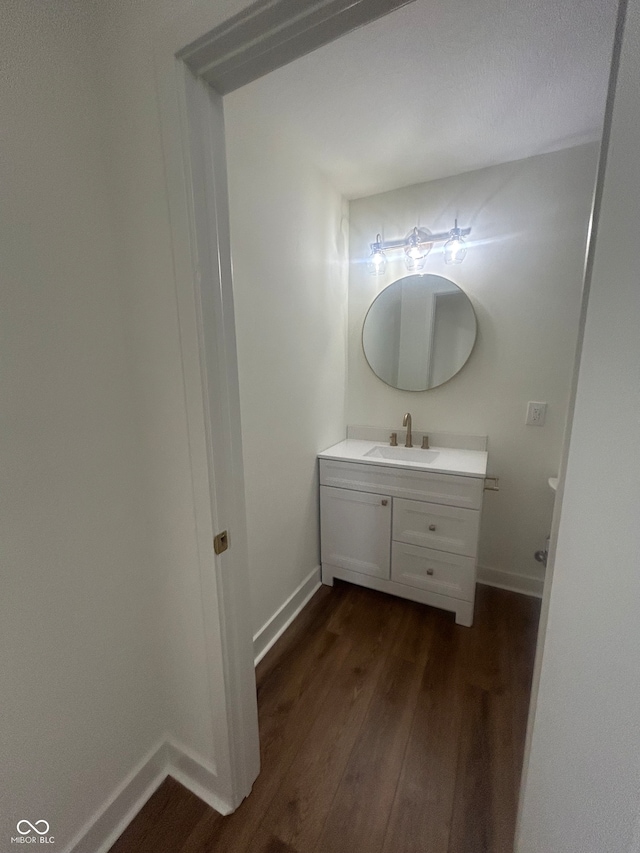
582, 790
289, 245
81, 670
523, 274
102, 623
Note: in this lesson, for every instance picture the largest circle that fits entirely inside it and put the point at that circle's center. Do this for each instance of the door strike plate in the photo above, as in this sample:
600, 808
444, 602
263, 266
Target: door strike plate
221, 542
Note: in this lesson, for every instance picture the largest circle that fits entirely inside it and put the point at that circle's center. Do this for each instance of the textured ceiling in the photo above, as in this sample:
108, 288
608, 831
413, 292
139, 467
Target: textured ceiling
436, 89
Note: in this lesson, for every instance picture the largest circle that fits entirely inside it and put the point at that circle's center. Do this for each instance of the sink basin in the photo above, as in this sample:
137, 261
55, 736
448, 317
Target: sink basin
402, 454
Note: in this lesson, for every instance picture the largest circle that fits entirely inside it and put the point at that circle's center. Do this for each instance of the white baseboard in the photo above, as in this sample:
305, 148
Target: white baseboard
284, 616
507, 580
166, 759
197, 775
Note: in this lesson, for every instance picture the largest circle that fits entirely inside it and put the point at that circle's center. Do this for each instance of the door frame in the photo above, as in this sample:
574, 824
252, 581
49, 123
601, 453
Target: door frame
199, 56
195, 173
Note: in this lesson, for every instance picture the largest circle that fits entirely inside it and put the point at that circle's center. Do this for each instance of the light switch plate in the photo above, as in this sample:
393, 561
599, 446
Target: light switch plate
536, 414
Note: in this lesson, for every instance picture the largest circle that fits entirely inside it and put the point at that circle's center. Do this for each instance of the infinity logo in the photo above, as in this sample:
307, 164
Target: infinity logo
32, 827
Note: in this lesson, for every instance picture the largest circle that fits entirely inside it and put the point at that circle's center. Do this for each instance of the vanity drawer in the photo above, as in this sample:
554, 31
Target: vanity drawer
443, 528
448, 489
435, 571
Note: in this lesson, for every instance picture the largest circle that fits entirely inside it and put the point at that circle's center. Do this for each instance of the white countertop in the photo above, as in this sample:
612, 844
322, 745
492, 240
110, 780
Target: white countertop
465, 463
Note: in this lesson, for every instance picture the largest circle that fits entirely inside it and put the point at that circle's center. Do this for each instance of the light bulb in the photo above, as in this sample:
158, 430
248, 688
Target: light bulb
455, 248
454, 251
415, 254
377, 261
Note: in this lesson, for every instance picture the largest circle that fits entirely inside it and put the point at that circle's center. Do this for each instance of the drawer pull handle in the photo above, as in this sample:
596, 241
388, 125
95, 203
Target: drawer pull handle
429, 571
432, 527
384, 502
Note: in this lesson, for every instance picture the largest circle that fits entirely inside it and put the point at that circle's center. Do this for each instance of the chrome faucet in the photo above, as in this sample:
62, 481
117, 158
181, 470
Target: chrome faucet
406, 422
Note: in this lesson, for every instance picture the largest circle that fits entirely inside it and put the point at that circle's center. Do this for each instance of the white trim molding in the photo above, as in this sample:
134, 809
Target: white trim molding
192, 130
271, 33
196, 774
524, 584
167, 758
275, 627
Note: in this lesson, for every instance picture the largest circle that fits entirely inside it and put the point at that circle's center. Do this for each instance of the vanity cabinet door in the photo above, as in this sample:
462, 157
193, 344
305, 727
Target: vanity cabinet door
356, 531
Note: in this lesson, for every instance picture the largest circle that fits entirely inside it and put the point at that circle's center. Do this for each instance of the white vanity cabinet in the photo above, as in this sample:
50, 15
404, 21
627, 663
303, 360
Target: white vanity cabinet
412, 533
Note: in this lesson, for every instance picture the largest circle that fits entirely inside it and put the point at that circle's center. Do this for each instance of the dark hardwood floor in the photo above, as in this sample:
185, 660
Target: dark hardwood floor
384, 727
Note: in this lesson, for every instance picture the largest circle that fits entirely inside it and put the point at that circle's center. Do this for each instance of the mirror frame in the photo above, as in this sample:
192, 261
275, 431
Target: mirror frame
465, 362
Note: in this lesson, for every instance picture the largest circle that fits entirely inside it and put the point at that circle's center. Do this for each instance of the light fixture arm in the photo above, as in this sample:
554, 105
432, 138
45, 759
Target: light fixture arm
439, 237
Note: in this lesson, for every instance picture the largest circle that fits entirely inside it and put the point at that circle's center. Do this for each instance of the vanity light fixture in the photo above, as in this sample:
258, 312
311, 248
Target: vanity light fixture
455, 248
417, 245
377, 260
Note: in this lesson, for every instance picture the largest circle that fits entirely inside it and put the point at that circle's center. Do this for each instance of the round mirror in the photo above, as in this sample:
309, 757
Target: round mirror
419, 332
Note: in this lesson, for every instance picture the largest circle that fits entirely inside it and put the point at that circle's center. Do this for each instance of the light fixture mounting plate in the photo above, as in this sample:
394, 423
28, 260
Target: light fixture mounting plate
423, 235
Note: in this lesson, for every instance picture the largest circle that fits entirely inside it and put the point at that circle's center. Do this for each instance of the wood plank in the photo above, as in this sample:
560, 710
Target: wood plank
485, 801
521, 617
485, 655
486, 790
164, 821
421, 812
298, 812
288, 709
347, 618
303, 629
412, 641
471, 825
358, 818
276, 845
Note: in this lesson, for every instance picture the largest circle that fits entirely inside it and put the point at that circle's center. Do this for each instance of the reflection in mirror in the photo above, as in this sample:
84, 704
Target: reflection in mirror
419, 332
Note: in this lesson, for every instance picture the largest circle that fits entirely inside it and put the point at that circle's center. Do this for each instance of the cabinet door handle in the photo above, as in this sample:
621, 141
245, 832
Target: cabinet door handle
384, 502
432, 527
429, 571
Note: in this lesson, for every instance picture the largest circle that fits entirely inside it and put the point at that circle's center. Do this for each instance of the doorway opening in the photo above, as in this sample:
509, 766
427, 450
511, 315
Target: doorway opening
216, 310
